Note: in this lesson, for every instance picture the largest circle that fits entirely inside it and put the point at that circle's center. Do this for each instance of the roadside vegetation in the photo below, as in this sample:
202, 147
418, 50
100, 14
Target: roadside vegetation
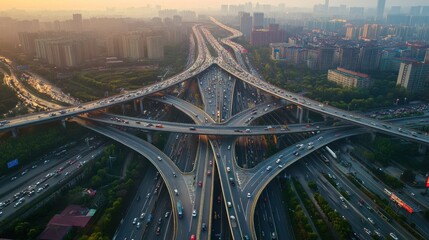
300, 223
315, 85
36, 141
8, 98
111, 200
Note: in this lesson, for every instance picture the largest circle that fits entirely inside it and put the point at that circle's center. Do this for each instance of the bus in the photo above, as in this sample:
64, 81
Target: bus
179, 209
331, 152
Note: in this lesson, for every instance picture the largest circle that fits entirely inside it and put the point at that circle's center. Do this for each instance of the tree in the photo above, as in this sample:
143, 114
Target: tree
408, 176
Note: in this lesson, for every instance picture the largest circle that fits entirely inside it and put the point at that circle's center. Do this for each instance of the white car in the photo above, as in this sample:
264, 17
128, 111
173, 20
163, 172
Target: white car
228, 169
135, 221
278, 160
248, 195
393, 236
194, 213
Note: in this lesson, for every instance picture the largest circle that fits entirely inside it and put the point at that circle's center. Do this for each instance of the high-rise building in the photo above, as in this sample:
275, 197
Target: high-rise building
258, 20
369, 58
395, 10
133, 46
356, 12
155, 48
370, 31
349, 79
348, 58
66, 51
352, 33
426, 60
263, 37
224, 9
413, 76
415, 10
27, 41
425, 11
245, 24
381, 4
77, 22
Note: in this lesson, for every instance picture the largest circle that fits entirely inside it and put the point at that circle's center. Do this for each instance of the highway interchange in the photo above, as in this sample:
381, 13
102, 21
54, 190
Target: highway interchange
241, 188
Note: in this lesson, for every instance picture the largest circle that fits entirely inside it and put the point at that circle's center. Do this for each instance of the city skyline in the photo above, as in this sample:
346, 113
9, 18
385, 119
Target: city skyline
184, 4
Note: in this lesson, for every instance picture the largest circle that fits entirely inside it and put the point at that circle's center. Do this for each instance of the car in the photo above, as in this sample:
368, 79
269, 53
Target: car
192, 128
158, 231
392, 235
159, 221
159, 158
200, 183
167, 214
278, 160
280, 166
148, 195
248, 195
211, 162
194, 213
269, 168
296, 153
174, 174
209, 172
176, 192
204, 226
135, 221
231, 180
229, 147
193, 237
229, 204
228, 169
138, 225
142, 215
371, 221
367, 231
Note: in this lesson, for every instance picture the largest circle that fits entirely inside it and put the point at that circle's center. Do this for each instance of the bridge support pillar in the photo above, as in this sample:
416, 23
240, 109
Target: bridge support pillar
301, 114
135, 105
149, 137
422, 149
325, 118
15, 132
141, 105
373, 136
63, 122
307, 114
123, 108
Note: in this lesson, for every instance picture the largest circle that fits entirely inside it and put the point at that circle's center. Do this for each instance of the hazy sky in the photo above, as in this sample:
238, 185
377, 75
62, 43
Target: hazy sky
188, 4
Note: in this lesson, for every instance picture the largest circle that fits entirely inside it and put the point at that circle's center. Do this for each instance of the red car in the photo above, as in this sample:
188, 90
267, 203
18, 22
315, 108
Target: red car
200, 183
193, 237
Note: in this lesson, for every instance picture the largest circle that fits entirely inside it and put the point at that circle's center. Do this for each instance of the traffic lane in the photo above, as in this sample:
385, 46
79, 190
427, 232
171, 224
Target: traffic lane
165, 167
35, 170
45, 182
226, 190
138, 206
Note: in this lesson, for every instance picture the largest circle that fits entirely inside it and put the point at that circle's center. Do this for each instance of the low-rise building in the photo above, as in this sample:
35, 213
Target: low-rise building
350, 79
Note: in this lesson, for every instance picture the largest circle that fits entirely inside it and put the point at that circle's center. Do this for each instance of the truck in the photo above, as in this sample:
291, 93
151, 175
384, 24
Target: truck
331, 152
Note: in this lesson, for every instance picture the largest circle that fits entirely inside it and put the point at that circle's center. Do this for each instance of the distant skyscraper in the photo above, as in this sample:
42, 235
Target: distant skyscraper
415, 10
395, 10
133, 46
381, 4
356, 12
246, 24
425, 11
77, 22
413, 76
155, 47
224, 9
258, 20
